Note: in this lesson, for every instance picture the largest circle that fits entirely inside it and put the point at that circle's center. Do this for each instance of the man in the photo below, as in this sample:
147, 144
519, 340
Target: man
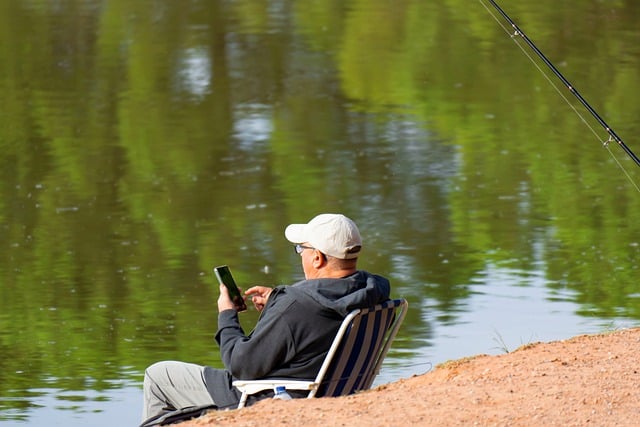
295, 329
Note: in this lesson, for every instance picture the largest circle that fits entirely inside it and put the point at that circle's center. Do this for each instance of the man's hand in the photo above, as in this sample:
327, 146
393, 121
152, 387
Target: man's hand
259, 296
224, 300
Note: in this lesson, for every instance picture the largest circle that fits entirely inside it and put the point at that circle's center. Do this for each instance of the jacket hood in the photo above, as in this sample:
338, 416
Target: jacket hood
359, 290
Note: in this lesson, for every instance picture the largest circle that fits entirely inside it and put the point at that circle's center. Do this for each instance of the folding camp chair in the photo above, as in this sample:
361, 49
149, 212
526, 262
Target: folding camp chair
354, 358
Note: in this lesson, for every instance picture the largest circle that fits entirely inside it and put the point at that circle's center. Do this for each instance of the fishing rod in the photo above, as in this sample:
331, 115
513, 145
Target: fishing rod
612, 135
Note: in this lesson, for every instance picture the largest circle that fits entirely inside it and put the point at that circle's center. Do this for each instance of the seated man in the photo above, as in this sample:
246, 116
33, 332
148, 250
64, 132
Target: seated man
295, 329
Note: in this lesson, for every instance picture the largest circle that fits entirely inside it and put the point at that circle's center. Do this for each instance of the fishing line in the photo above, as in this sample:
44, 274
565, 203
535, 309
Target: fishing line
613, 137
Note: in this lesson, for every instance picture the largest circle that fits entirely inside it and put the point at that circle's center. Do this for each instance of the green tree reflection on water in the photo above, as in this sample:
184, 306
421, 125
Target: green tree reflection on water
142, 142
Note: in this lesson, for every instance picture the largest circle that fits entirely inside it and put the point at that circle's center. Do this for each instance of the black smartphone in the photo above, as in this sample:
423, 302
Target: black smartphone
225, 278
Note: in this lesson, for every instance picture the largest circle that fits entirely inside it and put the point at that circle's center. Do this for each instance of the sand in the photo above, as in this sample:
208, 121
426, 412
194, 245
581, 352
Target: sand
586, 380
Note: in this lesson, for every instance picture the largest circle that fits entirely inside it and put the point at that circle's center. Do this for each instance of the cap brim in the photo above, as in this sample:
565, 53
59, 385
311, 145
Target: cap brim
295, 233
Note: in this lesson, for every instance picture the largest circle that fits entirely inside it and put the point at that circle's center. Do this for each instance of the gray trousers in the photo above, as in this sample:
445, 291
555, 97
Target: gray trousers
173, 385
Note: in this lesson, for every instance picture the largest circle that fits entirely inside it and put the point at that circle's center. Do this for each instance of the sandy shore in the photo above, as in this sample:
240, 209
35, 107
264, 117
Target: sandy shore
586, 380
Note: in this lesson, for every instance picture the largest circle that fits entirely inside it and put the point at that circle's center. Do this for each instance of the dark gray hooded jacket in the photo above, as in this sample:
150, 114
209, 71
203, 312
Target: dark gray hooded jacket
292, 335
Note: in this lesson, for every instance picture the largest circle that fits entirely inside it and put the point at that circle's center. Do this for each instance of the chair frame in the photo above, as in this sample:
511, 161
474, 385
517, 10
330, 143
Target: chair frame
399, 306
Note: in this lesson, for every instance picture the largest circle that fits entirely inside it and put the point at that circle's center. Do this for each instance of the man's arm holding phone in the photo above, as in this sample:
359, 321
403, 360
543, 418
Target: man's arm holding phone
255, 355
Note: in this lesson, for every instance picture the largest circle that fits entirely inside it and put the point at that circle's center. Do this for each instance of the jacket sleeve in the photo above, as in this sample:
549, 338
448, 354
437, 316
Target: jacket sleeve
269, 345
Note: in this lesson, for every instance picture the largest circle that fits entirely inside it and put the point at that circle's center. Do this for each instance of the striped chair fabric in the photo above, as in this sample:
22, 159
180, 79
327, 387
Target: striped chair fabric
358, 358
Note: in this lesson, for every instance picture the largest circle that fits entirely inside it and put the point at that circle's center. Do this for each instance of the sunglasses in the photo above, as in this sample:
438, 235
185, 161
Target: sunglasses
300, 248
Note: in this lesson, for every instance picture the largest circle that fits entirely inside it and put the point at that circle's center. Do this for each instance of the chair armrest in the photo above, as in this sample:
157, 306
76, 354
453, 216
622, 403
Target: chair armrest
255, 386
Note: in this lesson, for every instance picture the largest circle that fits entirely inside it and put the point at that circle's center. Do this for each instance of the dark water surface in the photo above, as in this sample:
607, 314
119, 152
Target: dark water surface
143, 142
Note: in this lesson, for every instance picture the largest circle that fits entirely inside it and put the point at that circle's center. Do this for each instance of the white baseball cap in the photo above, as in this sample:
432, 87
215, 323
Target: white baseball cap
332, 234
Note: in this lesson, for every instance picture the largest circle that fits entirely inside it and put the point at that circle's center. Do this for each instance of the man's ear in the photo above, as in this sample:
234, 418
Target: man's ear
319, 259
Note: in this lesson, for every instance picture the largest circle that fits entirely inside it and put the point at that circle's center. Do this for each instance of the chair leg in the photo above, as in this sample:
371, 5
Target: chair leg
243, 400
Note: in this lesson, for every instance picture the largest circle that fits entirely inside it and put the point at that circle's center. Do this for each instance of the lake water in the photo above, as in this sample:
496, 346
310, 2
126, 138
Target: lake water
143, 142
